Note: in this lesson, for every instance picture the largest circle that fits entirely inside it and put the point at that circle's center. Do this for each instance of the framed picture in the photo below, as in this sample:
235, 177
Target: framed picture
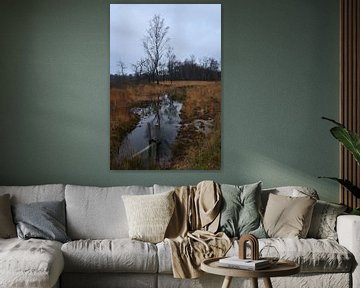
165, 86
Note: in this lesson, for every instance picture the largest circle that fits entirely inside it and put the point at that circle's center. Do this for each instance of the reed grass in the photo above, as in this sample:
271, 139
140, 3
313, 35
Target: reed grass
192, 150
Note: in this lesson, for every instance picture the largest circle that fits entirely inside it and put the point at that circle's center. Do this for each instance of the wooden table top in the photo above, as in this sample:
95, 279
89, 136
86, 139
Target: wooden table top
281, 268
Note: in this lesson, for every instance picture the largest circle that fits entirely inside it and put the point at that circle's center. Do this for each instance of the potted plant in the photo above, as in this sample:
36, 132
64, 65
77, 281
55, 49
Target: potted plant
351, 141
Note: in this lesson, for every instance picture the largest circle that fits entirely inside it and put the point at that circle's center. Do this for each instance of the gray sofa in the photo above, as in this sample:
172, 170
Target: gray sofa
101, 254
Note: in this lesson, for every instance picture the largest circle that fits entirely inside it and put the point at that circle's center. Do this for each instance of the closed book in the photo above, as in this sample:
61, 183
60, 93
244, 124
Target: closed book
236, 262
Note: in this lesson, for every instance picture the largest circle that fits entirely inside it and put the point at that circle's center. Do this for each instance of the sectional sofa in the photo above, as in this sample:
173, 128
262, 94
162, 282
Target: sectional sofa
100, 253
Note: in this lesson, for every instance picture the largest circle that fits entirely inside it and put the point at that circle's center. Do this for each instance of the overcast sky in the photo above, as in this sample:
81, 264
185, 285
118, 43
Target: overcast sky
194, 29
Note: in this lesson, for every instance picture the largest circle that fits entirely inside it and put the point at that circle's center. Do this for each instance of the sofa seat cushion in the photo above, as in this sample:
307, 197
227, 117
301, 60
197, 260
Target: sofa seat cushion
115, 255
30, 263
313, 255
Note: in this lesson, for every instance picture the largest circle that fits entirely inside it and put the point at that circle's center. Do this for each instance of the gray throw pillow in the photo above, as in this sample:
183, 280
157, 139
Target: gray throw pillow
44, 220
7, 227
323, 222
240, 210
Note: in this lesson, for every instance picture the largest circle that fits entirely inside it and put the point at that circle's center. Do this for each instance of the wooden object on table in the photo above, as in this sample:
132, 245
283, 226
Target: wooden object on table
254, 246
281, 268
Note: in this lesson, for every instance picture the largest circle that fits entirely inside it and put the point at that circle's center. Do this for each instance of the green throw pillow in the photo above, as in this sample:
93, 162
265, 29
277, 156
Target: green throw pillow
240, 210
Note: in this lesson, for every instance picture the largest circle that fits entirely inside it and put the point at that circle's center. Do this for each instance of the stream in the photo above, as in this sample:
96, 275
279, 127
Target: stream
154, 134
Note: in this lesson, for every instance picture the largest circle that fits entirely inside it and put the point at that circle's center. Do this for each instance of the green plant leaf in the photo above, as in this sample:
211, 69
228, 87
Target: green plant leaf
355, 211
347, 184
348, 138
333, 121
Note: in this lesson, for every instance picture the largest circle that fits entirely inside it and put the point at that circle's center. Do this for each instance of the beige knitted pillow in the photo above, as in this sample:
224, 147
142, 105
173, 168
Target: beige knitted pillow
288, 217
149, 215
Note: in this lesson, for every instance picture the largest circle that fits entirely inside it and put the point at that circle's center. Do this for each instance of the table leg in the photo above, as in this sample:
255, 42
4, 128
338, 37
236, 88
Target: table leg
227, 282
267, 283
254, 282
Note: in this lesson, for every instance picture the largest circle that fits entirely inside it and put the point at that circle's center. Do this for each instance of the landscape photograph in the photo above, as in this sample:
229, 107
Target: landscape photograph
165, 86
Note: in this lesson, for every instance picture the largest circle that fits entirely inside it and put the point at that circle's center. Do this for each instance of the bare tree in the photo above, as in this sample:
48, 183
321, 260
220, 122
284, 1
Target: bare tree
138, 68
171, 63
155, 43
122, 67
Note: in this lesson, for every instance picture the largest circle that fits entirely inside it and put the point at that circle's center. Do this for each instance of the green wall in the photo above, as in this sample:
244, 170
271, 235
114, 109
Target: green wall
280, 75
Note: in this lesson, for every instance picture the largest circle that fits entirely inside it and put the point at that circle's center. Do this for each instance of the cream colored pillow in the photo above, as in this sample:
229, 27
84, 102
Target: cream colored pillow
149, 215
288, 217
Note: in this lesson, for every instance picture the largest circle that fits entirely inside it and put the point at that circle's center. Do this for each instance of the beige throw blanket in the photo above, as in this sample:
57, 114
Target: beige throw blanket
191, 231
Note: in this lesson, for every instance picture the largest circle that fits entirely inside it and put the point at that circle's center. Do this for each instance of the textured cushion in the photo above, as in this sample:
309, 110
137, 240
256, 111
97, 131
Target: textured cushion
44, 220
240, 210
313, 255
287, 216
323, 222
7, 227
117, 255
149, 215
98, 213
36, 193
31, 263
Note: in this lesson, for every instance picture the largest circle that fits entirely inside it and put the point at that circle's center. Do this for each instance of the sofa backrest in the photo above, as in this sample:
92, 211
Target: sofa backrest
36, 193
293, 191
163, 188
98, 212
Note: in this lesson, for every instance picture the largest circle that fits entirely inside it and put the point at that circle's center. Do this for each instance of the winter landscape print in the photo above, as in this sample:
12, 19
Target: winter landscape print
165, 86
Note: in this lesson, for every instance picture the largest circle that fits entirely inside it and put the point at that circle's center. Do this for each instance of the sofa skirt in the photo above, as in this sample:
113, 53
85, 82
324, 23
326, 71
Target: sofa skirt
134, 280
108, 280
308, 280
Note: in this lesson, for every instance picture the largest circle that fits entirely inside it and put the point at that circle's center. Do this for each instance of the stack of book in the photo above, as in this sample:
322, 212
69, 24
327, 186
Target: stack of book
248, 264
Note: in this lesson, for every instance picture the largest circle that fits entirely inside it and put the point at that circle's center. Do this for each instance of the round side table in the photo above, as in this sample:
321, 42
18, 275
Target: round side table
281, 268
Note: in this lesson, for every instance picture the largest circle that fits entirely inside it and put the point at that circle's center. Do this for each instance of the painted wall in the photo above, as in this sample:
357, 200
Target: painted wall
280, 75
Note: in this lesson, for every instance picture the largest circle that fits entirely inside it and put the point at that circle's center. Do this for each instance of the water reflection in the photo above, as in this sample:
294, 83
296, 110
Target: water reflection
155, 133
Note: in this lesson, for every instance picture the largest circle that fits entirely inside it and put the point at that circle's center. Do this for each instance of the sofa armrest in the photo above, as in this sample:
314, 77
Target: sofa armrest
348, 230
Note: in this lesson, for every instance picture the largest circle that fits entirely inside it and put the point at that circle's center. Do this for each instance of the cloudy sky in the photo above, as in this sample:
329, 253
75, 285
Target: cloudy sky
194, 29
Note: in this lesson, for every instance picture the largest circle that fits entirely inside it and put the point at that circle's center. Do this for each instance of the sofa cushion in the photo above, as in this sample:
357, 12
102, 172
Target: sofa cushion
43, 220
323, 222
149, 215
291, 191
117, 255
313, 255
164, 257
98, 213
30, 263
36, 193
240, 210
287, 216
7, 226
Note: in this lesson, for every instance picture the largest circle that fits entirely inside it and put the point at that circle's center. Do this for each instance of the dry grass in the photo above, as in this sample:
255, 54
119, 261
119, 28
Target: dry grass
194, 150
201, 100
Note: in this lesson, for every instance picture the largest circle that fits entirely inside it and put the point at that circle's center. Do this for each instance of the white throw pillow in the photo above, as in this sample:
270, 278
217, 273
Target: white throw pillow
149, 215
